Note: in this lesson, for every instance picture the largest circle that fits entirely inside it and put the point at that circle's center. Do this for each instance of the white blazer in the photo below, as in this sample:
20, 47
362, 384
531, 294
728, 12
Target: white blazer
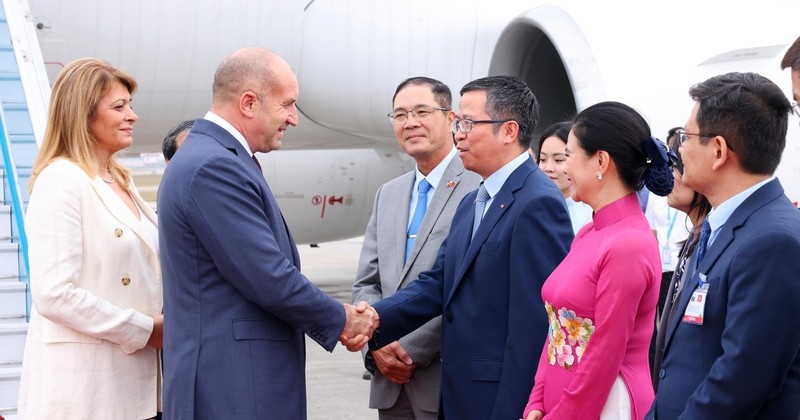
95, 285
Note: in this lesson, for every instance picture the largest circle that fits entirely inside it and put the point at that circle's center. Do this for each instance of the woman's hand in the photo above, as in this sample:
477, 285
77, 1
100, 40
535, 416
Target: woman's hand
157, 336
535, 415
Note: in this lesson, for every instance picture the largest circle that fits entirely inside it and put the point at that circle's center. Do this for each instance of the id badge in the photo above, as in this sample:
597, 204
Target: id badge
666, 255
697, 305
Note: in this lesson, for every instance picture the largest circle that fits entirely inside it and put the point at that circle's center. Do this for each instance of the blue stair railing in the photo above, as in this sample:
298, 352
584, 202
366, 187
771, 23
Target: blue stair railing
13, 184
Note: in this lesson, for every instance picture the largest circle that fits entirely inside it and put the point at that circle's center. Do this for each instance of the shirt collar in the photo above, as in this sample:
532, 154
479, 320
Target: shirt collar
719, 215
435, 176
216, 119
496, 180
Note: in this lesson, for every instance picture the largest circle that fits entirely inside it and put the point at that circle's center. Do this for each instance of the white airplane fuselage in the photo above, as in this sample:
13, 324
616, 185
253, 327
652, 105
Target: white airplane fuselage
349, 55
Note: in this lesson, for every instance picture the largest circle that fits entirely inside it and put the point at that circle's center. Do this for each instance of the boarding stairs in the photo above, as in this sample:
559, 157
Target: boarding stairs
24, 94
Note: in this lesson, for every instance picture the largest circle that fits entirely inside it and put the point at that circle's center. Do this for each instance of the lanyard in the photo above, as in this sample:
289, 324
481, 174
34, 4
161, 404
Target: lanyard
672, 222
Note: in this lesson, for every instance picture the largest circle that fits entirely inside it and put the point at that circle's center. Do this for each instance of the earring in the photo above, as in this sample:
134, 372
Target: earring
599, 176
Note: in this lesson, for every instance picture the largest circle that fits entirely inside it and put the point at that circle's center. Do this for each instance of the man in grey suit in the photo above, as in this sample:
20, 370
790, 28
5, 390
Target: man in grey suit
411, 218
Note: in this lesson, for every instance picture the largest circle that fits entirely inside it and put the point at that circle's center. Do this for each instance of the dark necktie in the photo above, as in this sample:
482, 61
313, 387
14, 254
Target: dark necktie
419, 214
702, 244
255, 159
480, 206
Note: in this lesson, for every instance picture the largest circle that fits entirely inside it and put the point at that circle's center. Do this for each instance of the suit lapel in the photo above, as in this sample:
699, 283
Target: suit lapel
689, 283
501, 202
758, 199
120, 211
767, 193
279, 227
400, 213
441, 195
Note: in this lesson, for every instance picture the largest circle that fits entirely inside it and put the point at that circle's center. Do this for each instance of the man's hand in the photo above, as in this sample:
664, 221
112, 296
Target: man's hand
362, 321
394, 363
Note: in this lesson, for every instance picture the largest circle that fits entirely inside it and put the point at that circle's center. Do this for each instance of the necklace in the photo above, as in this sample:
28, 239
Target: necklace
107, 181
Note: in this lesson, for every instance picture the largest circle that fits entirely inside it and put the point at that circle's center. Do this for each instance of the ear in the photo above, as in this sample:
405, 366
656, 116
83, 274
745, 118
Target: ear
247, 103
719, 147
603, 161
451, 116
510, 131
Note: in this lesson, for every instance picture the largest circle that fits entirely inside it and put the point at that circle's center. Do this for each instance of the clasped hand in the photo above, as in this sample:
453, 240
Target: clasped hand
362, 321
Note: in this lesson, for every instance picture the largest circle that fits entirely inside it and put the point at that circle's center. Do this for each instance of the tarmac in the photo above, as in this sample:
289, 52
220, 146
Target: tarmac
334, 381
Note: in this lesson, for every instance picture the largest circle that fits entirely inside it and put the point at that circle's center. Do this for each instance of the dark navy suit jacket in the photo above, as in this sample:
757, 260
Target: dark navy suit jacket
488, 290
744, 361
235, 303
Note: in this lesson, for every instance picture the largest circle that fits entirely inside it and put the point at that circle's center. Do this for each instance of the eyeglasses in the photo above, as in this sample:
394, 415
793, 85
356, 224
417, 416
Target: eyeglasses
399, 116
465, 126
682, 136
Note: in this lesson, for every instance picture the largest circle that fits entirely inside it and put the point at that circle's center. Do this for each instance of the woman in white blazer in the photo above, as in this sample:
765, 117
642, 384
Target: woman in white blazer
95, 327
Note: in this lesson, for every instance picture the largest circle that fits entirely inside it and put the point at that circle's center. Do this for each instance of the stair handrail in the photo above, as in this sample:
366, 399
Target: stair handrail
13, 184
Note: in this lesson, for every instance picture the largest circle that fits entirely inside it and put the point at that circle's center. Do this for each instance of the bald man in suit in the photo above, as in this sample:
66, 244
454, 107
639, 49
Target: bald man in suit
237, 305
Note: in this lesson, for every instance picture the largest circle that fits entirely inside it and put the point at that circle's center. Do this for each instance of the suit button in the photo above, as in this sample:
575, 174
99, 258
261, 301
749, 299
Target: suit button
126, 281
661, 374
450, 318
117, 232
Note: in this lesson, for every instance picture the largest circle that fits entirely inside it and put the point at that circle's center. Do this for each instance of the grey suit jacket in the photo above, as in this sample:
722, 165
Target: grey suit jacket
382, 272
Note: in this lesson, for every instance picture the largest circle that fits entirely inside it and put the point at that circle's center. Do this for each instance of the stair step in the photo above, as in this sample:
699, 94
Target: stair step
13, 319
12, 299
9, 259
5, 223
12, 344
9, 387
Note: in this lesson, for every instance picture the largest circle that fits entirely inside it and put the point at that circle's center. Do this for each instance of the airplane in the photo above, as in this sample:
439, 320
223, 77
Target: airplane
349, 55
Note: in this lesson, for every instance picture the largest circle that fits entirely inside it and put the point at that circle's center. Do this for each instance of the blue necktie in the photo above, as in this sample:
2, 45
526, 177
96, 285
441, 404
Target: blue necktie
702, 244
419, 214
480, 206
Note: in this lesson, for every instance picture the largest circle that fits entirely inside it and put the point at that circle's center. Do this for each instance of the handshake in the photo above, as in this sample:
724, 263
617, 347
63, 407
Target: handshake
362, 321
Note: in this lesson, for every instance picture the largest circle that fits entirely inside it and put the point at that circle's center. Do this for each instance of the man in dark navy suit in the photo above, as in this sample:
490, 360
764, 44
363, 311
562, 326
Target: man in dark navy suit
732, 346
236, 306
504, 241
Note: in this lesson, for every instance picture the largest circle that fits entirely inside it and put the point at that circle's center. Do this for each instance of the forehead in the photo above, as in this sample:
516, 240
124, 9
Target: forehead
691, 123
413, 95
553, 144
572, 140
284, 84
118, 91
473, 103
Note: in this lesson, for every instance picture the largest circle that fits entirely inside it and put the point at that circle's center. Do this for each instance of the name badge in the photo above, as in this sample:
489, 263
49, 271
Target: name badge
666, 255
697, 305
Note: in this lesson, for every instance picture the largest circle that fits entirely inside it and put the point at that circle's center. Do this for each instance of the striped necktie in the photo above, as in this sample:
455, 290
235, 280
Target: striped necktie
480, 206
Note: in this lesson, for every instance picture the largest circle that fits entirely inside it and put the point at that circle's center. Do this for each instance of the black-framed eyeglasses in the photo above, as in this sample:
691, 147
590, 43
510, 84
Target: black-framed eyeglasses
465, 125
682, 136
399, 116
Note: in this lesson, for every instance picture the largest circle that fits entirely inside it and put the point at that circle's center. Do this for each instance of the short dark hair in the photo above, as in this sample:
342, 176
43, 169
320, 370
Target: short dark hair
750, 112
169, 146
619, 130
441, 93
509, 98
559, 129
792, 56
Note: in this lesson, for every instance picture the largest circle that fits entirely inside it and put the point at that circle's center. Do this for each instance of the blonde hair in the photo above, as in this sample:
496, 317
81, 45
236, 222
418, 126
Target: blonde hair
76, 93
